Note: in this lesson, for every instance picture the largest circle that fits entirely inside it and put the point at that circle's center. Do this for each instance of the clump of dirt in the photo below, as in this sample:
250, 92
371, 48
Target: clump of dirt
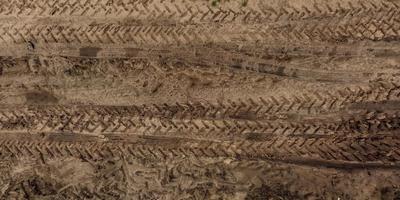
82, 68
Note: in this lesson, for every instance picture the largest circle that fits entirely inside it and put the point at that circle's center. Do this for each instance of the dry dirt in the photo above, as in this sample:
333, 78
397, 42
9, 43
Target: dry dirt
197, 99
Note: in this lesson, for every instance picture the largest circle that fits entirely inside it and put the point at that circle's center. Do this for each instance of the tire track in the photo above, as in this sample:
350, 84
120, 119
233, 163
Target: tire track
376, 151
143, 121
153, 35
195, 11
251, 108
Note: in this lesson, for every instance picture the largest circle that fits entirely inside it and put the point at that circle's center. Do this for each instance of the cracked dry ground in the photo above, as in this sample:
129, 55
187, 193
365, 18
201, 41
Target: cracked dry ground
196, 99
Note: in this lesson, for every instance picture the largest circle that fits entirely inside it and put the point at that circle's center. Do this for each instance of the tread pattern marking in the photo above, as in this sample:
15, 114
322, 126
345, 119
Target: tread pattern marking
179, 35
180, 120
197, 11
363, 150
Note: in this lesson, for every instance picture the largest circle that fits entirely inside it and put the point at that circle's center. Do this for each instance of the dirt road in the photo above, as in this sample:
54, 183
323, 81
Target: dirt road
196, 99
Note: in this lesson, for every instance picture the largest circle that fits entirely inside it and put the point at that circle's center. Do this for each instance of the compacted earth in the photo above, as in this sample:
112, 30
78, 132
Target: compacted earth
197, 99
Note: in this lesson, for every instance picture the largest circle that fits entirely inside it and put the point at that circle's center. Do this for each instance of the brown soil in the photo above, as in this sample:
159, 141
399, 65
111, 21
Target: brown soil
219, 99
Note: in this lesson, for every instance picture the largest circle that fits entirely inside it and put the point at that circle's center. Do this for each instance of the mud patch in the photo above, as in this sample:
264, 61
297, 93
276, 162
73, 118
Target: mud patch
89, 51
390, 193
32, 188
377, 106
40, 97
266, 192
131, 52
